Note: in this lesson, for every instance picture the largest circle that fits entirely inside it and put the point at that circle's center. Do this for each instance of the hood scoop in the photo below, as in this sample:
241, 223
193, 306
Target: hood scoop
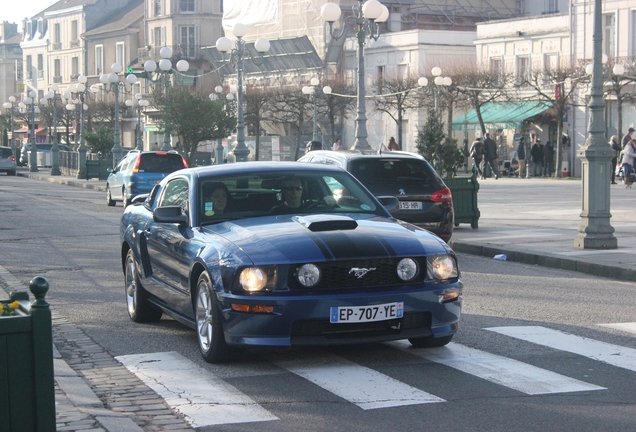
324, 222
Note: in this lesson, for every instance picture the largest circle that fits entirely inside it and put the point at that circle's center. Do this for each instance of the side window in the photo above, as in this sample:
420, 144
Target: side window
121, 164
333, 162
176, 194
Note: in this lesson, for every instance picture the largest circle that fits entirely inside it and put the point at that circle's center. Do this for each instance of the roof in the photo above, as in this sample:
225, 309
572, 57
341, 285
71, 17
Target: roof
120, 19
286, 54
67, 4
501, 115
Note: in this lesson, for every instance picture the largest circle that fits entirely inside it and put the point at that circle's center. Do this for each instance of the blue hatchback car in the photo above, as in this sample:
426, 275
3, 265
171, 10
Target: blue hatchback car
138, 172
269, 254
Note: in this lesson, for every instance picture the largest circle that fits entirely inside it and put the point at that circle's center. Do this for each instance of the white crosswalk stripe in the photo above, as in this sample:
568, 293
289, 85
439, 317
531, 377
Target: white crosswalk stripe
194, 392
615, 355
628, 327
359, 385
500, 370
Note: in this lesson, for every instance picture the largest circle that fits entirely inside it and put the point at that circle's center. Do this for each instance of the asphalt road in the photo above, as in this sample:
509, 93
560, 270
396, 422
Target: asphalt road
70, 236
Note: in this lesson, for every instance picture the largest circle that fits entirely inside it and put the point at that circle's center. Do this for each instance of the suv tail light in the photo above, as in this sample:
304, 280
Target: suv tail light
442, 195
185, 163
12, 158
137, 162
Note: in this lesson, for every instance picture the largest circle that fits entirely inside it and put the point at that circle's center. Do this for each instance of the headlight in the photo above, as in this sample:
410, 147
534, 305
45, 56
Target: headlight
258, 278
441, 267
308, 275
407, 269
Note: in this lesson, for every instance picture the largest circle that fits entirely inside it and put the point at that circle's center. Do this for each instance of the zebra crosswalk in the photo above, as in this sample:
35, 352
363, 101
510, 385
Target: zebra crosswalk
205, 399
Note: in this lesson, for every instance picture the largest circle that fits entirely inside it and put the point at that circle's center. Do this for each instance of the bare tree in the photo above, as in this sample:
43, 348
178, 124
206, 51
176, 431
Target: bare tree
257, 101
619, 85
337, 105
290, 107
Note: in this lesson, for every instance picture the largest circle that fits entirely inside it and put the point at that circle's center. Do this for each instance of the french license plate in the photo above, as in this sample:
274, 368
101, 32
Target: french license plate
357, 314
410, 205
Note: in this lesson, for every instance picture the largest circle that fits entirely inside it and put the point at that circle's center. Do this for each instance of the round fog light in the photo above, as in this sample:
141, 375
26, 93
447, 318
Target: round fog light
308, 275
407, 269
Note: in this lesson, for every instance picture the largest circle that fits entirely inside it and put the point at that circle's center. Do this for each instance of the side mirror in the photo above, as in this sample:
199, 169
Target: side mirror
110, 170
389, 202
170, 214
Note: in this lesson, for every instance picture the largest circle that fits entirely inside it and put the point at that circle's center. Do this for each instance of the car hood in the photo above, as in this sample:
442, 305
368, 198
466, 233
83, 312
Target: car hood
324, 237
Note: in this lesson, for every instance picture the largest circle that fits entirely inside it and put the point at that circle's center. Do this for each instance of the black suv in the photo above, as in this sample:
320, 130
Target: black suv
424, 199
138, 172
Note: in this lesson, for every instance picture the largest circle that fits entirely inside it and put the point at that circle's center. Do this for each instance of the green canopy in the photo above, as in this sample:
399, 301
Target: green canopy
501, 115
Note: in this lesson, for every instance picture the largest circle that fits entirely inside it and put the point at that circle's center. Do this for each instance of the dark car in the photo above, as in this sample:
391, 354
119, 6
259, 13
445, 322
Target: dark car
138, 172
259, 254
7, 161
425, 200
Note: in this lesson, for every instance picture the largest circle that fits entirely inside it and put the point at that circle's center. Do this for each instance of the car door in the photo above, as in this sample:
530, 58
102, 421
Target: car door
167, 243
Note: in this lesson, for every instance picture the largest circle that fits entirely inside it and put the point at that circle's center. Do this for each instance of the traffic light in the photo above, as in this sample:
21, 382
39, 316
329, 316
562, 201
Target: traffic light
140, 73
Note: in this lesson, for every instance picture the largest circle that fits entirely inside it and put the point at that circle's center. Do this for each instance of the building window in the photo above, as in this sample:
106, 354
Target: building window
57, 71
401, 71
119, 54
496, 68
157, 8
29, 65
57, 32
609, 34
74, 31
99, 59
380, 75
550, 65
186, 41
157, 36
74, 68
186, 5
523, 69
40, 66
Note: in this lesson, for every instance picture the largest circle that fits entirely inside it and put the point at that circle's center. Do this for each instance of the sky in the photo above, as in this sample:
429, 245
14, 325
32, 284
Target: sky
15, 11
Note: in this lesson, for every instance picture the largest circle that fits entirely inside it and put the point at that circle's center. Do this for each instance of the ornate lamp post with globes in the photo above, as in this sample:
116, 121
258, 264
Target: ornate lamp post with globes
112, 80
29, 101
219, 143
439, 81
9, 106
165, 69
139, 105
238, 55
311, 90
50, 97
364, 22
81, 91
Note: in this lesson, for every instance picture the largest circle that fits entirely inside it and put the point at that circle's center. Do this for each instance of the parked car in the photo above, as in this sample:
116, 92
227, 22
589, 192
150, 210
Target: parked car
253, 270
138, 172
424, 199
44, 157
7, 160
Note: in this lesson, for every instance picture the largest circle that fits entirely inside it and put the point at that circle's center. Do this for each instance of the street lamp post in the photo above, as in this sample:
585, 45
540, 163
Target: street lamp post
439, 81
51, 98
219, 143
139, 105
595, 231
238, 55
364, 21
311, 90
165, 69
79, 89
10, 107
112, 80
33, 156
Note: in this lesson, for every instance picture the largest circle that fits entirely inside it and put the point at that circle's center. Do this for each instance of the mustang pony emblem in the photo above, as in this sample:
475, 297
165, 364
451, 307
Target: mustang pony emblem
402, 192
360, 272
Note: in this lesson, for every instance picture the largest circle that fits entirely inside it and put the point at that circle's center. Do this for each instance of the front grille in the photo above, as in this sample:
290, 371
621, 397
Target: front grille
339, 274
421, 320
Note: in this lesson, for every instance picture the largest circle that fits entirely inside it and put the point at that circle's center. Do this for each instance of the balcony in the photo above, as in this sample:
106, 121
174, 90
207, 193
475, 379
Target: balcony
40, 74
57, 79
56, 46
75, 43
180, 51
74, 77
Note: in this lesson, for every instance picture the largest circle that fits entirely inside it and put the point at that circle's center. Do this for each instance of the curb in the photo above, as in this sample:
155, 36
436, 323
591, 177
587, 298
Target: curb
64, 181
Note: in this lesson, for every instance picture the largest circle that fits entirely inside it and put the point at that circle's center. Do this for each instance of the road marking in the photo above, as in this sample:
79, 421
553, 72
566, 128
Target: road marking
628, 327
357, 384
507, 372
194, 392
614, 355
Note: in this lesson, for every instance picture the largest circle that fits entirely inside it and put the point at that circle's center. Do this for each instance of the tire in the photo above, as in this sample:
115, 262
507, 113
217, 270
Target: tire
109, 199
209, 329
124, 198
11, 173
430, 342
139, 308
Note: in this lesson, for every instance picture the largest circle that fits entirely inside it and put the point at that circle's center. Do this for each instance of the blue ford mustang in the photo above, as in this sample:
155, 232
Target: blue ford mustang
275, 254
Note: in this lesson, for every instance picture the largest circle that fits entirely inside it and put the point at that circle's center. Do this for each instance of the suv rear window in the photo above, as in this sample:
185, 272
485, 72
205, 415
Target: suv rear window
370, 171
5, 153
160, 163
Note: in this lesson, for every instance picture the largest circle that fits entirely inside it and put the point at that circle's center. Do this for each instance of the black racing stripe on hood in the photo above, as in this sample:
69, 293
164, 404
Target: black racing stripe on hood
339, 245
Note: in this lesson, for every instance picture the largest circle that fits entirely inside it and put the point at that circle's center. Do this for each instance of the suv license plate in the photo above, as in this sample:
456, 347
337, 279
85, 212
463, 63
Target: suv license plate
410, 205
357, 314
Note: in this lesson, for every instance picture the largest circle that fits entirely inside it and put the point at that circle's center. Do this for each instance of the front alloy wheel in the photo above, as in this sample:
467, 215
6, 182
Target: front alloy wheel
109, 198
139, 308
209, 330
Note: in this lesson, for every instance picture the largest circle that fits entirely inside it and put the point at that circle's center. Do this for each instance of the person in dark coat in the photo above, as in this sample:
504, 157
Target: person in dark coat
548, 159
521, 156
477, 153
616, 148
536, 153
490, 155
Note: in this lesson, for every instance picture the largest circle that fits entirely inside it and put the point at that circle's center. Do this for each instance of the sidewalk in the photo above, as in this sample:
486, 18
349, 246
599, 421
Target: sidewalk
533, 221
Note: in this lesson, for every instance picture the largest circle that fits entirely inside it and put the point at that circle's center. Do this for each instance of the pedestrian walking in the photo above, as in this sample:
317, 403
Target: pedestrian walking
629, 153
536, 153
393, 145
477, 153
521, 156
490, 155
627, 138
548, 159
616, 147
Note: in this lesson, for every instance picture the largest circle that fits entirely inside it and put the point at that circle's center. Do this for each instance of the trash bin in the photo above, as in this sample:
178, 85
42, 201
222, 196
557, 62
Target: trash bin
565, 168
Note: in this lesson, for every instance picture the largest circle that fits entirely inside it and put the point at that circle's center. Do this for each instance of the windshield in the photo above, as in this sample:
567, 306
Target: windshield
272, 193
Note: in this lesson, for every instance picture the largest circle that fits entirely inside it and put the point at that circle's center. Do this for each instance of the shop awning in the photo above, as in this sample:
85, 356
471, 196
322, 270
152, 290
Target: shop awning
501, 115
